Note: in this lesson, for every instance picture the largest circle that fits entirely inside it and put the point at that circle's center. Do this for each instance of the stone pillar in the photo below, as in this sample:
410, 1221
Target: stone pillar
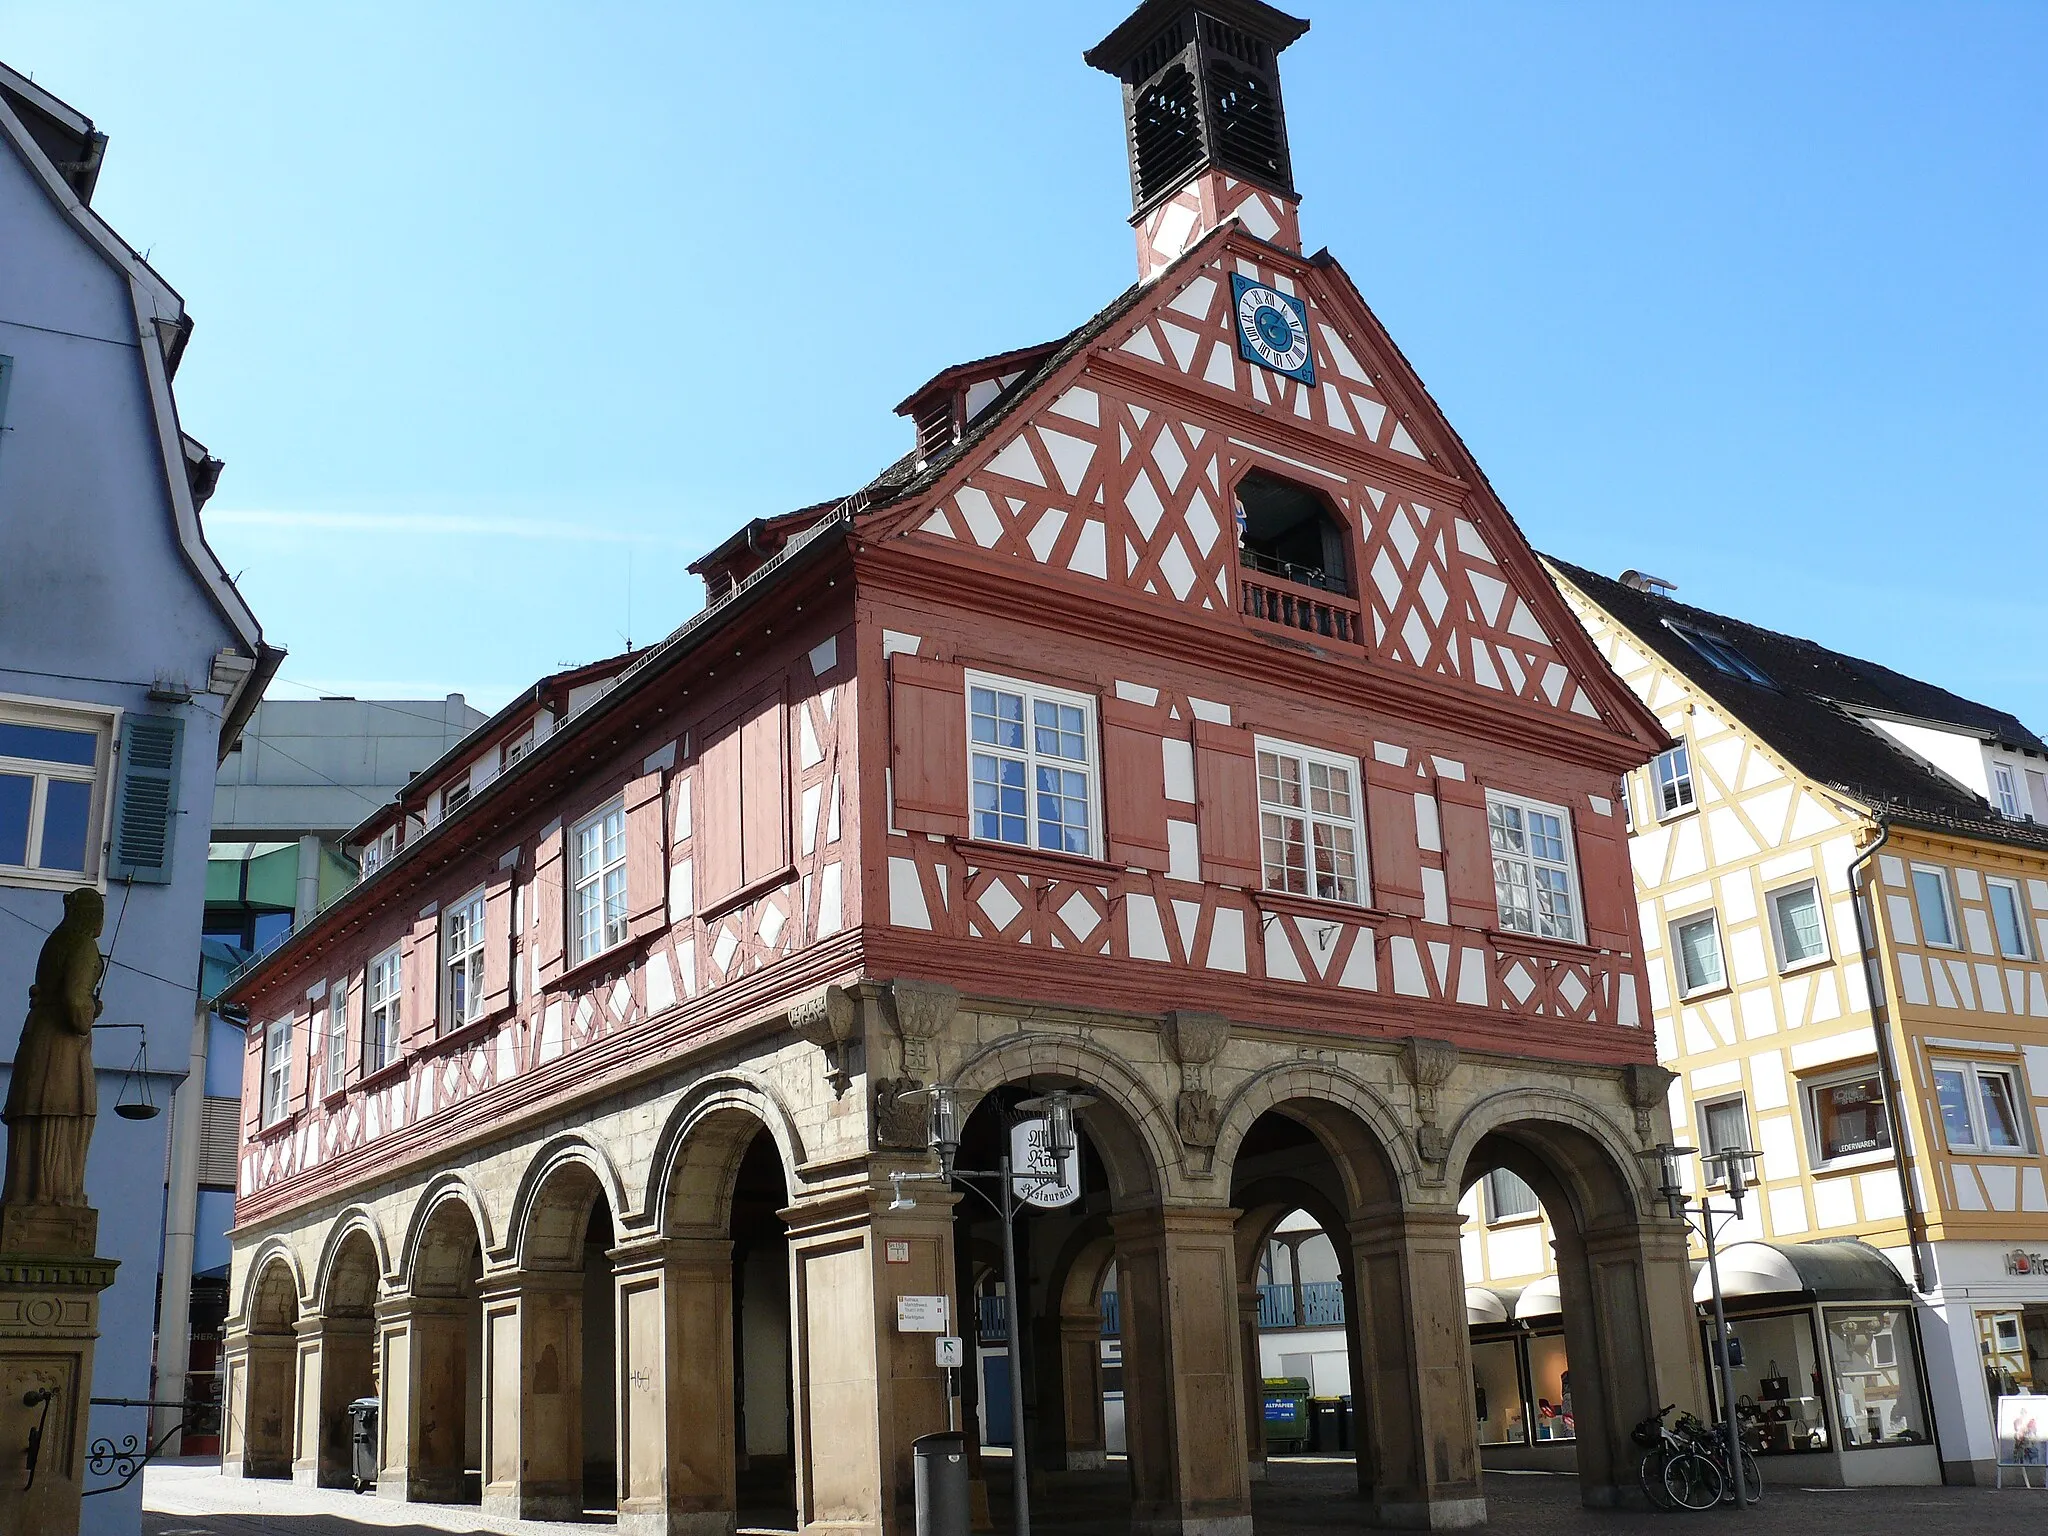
863, 1390
49, 1319
533, 1395
336, 1366
1070, 1388
675, 1388
1184, 1400
1633, 1345
423, 1364
258, 1403
1254, 1375
1415, 1371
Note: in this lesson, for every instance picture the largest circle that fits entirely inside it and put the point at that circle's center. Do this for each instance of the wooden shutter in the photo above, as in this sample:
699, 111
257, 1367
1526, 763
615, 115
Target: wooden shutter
718, 850
422, 970
764, 790
1607, 886
254, 1035
1390, 833
1227, 804
1133, 785
498, 941
928, 744
550, 898
1468, 853
146, 799
646, 854
305, 1050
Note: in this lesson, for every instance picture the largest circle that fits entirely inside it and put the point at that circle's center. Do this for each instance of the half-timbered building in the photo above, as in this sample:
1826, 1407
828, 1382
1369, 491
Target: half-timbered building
1184, 719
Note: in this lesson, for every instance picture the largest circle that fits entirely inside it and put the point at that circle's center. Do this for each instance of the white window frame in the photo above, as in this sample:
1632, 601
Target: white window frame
518, 747
1307, 758
1974, 1072
1530, 864
1816, 1150
1090, 766
586, 943
2020, 917
383, 1009
102, 723
1787, 966
1681, 781
1716, 1101
337, 1034
2005, 787
1948, 906
380, 850
1709, 916
462, 955
454, 796
277, 1069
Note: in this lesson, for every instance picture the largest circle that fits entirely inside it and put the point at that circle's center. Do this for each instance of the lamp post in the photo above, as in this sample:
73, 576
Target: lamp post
1732, 1166
942, 1125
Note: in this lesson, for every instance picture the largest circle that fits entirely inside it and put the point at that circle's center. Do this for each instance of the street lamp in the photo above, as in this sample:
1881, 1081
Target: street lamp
942, 1127
1733, 1167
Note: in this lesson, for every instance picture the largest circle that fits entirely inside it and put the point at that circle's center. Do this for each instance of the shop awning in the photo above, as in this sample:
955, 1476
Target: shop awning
1483, 1307
1827, 1269
1538, 1300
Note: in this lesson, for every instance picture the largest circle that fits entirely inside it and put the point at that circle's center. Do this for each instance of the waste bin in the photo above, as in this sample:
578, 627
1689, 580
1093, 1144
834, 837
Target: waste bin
939, 1478
1345, 1432
1286, 1412
362, 1416
1325, 1424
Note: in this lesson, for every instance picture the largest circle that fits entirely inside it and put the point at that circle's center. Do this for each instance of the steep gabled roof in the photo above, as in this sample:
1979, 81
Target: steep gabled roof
1807, 711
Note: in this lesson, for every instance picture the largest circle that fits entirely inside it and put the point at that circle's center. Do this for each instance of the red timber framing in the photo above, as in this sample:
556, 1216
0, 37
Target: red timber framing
792, 772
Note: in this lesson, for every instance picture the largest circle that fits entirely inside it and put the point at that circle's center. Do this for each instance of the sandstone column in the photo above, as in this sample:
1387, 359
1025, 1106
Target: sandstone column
1070, 1389
1184, 1398
533, 1395
423, 1364
1415, 1372
257, 1428
336, 1366
675, 1387
1254, 1379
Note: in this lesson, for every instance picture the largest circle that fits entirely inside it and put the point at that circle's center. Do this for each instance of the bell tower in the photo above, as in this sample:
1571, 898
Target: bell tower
1203, 122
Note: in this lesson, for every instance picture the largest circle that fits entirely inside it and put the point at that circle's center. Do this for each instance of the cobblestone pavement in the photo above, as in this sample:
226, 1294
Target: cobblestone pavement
1305, 1495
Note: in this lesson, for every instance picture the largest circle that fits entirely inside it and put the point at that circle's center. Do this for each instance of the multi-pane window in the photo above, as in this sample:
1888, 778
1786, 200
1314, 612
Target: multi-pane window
2006, 790
1509, 1197
1847, 1116
462, 948
1930, 895
337, 1033
380, 1012
1533, 880
1031, 765
1724, 1123
1796, 921
1696, 951
597, 900
454, 797
2009, 918
277, 1070
51, 765
1672, 776
1980, 1107
518, 747
1308, 822
382, 851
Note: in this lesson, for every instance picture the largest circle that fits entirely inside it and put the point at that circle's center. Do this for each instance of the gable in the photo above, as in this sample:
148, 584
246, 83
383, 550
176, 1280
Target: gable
1120, 472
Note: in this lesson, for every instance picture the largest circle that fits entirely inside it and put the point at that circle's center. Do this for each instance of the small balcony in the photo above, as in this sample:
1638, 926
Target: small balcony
1297, 597
1313, 1304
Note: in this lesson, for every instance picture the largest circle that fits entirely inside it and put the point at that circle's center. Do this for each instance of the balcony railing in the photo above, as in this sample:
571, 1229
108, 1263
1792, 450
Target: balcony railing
1297, 597
1317, 1304
992, 1318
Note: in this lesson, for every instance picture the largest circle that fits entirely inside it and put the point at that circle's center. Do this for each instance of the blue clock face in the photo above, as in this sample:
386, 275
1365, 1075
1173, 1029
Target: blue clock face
1272, 328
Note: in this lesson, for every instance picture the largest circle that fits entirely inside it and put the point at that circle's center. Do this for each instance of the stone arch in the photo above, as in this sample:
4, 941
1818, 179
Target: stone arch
1131, 1132
262, 1292
353, 1263
705, 1138
1554, 1138
1083, 1263
1269, 1202
439, 1242
562, 1185
1356, 1126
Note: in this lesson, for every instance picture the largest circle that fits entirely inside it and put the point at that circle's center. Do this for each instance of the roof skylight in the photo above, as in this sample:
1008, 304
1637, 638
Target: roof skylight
1721, 654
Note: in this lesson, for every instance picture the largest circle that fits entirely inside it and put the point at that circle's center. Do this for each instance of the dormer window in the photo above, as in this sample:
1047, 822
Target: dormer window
1288, 531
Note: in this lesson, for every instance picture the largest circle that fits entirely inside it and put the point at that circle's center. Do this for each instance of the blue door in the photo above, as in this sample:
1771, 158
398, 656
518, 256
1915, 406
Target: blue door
995, 1398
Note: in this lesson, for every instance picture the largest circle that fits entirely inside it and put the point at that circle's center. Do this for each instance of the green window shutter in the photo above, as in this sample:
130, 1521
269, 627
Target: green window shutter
146, 801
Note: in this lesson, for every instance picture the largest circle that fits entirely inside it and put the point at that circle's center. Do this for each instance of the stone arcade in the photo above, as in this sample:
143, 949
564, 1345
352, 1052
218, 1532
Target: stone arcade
1183, 718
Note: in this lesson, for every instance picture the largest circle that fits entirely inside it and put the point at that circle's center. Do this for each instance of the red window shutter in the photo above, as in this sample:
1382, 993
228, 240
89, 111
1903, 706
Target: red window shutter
422, 968
1468, 853
550, 897
305, 1053
1607, 884
1133, 785
498, 941
718, 850
764, 789
1391, 834
646, 855
928, 744
1227, 804
252, 1078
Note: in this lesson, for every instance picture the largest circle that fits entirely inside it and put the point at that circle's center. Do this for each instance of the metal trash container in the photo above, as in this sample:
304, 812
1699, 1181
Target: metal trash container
1286, 1399
1325, 1424
1345, 1430
362, 1416
939, 1477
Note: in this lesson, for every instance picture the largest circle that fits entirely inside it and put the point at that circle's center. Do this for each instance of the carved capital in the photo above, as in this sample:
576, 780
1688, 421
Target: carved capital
1429, 1065
827, 1019
920, 1011
1647, 1086
1195, 1038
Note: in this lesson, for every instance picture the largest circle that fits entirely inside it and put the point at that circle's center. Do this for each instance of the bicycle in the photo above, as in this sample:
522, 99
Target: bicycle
1676, 1472
1752, 1474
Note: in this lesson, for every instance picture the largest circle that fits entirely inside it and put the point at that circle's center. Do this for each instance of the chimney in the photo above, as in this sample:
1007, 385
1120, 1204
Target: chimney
1203, 122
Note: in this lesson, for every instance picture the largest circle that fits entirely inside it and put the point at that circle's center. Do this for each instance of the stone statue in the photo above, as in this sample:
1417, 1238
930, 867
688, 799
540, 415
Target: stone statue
54, 1096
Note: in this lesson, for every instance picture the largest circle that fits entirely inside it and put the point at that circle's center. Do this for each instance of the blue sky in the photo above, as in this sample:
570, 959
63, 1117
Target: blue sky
499, 303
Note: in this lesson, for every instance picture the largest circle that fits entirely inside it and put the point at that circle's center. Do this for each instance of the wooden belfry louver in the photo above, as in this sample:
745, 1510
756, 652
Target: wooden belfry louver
1201, 91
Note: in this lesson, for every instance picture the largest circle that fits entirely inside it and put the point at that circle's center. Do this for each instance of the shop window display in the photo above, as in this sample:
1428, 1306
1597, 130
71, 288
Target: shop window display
1550, 1383
1777, 1384
1877, 1379
1497, 1393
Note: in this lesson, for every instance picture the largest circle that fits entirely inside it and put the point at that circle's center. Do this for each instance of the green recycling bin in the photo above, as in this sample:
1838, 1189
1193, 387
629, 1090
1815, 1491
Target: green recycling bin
1286, 1411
